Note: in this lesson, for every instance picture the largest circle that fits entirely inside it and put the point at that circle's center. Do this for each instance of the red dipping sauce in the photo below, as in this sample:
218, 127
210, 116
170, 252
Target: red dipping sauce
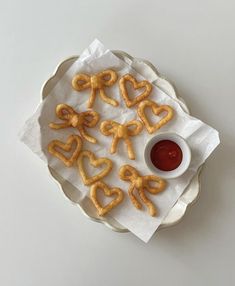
166, 155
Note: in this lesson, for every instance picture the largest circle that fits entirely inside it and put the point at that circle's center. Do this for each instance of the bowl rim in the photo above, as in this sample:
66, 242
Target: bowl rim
184, 146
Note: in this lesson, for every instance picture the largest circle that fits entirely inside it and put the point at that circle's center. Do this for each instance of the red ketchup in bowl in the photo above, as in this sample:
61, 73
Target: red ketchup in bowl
166, 155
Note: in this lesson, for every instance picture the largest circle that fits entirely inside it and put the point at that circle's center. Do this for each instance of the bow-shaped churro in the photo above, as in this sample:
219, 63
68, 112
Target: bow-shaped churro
96, 82
121, 131
141, 184
77, 120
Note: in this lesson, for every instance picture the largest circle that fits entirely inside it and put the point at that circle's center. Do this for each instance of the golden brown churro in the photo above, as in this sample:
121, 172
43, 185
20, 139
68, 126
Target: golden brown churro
157, 110
141, 184
121, 131
95, 163
67, 147
77, 120
96, 83
137, 85
118, 193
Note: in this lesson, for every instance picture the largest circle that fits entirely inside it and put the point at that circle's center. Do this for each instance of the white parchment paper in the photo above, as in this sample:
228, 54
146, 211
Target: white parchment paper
36, 134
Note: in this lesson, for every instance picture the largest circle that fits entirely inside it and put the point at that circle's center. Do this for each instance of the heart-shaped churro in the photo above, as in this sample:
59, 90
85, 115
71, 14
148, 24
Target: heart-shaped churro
88, 180
108, 192
54, 145
157, 110
136, 85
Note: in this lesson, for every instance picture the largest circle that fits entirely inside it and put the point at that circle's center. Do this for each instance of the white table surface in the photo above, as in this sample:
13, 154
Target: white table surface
44, 239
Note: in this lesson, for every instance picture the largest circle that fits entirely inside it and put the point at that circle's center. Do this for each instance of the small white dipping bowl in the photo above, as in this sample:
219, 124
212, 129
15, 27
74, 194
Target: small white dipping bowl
186, 152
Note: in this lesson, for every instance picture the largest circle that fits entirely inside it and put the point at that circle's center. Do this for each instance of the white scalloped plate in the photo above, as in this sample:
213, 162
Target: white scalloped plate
73, 194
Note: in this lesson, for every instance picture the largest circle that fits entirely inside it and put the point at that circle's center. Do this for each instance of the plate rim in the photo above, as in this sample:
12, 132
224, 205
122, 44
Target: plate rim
185, 203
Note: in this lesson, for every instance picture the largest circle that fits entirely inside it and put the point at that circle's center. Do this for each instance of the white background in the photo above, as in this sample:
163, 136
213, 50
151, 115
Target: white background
44, 239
